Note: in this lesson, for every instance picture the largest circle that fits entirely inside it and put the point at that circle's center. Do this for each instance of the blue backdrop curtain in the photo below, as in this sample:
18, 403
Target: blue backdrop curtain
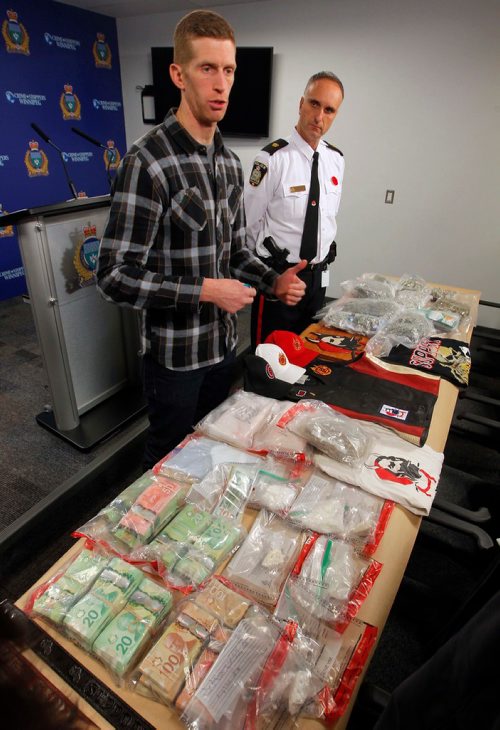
59, 68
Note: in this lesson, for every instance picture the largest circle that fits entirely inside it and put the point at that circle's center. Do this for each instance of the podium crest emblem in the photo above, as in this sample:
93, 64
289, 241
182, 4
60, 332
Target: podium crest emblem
70, 103
101, 52
14, 34
86, 253
36, 160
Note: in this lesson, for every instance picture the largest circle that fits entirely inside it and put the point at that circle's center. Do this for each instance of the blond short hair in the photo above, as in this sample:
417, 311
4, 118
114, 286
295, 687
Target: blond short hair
199, 24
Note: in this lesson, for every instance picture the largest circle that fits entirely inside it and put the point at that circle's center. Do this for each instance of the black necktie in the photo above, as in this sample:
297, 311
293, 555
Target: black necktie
309, 242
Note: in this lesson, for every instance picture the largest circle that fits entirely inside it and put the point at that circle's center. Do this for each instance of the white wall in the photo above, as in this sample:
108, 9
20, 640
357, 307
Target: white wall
421, 116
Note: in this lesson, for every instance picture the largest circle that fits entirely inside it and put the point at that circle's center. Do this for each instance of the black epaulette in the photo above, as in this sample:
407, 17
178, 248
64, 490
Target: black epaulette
273, 147
331, 147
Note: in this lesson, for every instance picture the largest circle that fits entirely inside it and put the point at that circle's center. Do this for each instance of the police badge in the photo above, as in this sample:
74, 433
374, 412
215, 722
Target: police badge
15, 36
258, 173
36, 160
101, 52
85, 258
70, 104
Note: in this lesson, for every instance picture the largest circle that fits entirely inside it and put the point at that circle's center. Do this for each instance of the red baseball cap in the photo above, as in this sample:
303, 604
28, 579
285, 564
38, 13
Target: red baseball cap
293, 346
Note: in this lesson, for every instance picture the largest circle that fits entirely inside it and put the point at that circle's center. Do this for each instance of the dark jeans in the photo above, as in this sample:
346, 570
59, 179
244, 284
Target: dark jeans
178, 400
268, 315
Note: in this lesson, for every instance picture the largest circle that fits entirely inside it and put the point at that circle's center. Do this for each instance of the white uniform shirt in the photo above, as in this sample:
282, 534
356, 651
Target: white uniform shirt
276, 206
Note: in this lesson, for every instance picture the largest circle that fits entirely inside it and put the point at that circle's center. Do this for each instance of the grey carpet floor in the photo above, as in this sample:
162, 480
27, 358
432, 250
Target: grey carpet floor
33, 461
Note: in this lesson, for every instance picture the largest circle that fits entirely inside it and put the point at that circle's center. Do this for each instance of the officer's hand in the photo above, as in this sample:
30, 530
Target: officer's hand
227, 294
288, 287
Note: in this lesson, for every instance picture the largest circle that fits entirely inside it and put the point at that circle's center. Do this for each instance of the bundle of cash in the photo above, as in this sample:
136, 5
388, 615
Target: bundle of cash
108, 595
190, 521
62, 594
179, 661
170, 660
152, 510
120, 643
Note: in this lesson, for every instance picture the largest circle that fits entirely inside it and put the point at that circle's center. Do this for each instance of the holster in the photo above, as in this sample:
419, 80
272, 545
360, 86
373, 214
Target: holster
332, 253
276, 264
278, 258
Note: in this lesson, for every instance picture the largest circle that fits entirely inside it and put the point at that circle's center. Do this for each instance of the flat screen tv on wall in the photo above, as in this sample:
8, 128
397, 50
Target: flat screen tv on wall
250, 101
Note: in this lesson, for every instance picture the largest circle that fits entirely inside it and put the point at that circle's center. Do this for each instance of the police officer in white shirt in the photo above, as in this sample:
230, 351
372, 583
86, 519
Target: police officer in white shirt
276, 200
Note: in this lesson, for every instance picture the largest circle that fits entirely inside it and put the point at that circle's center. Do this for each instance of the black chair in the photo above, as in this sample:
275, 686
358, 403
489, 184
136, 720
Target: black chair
463, 520
478, 409
454, 568
453, 571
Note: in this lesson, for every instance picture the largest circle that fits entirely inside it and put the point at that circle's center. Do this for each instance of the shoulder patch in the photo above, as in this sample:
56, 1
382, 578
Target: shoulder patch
331, 147
258, 173
273, 147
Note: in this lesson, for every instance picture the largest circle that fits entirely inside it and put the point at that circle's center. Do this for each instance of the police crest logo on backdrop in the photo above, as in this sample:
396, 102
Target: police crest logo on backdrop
111, 155
101, 52
70, 103
16, 38
36, 160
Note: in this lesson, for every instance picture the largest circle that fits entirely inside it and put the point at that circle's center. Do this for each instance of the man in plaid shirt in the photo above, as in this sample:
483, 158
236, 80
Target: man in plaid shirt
174, 245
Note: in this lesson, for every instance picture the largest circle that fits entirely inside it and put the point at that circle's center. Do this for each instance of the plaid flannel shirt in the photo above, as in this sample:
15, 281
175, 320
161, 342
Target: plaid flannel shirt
171, 224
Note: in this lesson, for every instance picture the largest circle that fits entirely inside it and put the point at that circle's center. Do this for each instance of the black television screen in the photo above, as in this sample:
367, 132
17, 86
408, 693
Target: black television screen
250, 101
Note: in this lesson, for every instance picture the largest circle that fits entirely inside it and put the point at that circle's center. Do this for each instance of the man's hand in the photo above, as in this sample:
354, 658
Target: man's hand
288, 287
227, 294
